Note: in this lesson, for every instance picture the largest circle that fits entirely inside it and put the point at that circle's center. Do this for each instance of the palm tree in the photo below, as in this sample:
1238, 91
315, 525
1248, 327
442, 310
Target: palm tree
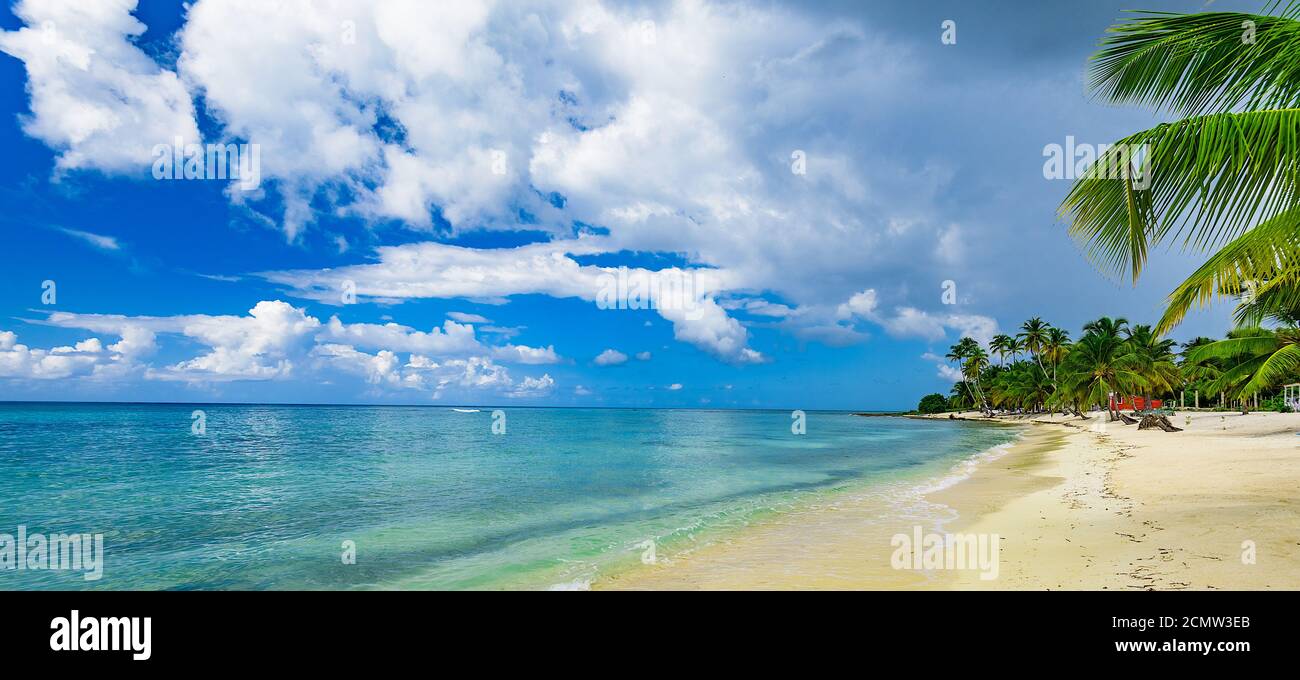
1107, 326
1099, 365
973, 359
1199, 376
1231, 162
1155, 361
1056, 347
1015, 347
976, 361
1022, 386
1035, 334
1253, 359
1001, 346
962, 395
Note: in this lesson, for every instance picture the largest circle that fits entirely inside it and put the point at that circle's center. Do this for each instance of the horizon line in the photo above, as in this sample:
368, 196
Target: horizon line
8, 402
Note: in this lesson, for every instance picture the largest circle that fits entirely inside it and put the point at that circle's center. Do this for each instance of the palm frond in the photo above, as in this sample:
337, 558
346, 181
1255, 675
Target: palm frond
1266, 258
1234, 348
1206, 178
1279, 367
1192, 64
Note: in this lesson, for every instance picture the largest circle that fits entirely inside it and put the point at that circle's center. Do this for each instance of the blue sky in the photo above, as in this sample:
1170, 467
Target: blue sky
443, 191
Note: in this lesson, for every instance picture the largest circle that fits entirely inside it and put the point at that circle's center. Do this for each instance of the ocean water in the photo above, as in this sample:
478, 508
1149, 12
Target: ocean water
431, 498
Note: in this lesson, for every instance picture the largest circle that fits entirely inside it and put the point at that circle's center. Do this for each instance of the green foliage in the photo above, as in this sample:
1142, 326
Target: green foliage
1113, 356
933, 403
1224, 180
1275, 403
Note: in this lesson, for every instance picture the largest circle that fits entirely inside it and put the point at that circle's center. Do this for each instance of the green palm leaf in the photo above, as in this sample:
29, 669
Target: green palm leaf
1267, 256
1207, 178
1279, 367
1193, 64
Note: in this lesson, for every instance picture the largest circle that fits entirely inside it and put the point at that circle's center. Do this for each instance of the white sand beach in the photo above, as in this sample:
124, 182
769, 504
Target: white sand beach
1077, 504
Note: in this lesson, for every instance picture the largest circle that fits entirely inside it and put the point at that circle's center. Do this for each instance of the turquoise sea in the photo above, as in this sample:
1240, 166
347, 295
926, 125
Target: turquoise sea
266, 497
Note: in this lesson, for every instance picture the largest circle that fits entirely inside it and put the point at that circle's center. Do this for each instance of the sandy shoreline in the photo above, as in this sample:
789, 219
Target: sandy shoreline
1077, 504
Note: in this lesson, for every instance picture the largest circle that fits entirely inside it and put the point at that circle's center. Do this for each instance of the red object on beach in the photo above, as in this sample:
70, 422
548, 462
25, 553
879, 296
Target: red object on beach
1133, 404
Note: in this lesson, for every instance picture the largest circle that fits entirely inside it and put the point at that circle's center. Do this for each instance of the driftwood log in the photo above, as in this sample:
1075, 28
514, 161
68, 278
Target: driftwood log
1152, 420
1128, 420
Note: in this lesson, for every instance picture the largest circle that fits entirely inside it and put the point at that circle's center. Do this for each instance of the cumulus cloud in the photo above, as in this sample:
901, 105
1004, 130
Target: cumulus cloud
945, 370
96, 98
20, 361
276, 340
912, 322
522, 354
610, 357
437, 270
452, 338
861, 305
532, 387
379, 368
704, 138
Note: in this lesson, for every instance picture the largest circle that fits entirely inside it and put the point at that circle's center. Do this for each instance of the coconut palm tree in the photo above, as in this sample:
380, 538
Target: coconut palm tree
1107, 326
1022, 386
1155, 360
962, 395
1034, 333
1015, 348
1253, 359
1056, 347
1100, 364
972, 359
1198, 376
1001, 346
1226, 172
976, 361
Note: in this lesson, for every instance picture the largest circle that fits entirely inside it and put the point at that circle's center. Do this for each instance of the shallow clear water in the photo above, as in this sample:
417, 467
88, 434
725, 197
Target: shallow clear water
430, 496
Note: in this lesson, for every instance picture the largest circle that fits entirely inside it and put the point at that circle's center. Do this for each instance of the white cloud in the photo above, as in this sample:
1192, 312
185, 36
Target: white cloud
468, 318
522, 354
611, 357
277, 340
912, 322
945, 370
680, 146
96, 240
861, 305
21, 361
378, 368
95, 97
533, 387
643, 356
452, 338
674, 387
437, 270
392, 110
